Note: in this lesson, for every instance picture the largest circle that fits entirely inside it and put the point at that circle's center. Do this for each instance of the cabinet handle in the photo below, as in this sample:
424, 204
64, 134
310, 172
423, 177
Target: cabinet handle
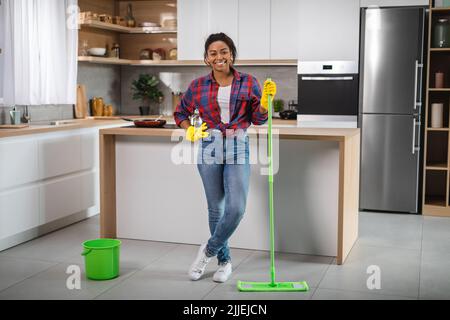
326, 78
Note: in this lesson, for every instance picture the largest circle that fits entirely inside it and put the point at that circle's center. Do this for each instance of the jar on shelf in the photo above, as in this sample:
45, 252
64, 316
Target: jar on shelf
115, 51
441, 34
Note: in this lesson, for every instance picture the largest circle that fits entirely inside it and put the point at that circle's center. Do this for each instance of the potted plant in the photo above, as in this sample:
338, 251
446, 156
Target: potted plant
145, 88
278, 106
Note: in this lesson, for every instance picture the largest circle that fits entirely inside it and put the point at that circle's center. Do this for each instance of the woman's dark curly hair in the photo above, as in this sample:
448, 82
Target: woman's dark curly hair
220, 37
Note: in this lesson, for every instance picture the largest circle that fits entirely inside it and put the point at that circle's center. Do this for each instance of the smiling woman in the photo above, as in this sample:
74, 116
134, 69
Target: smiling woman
39, 52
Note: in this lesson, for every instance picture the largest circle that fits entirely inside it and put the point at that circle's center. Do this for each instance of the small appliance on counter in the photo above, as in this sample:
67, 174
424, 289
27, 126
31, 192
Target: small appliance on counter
328, 89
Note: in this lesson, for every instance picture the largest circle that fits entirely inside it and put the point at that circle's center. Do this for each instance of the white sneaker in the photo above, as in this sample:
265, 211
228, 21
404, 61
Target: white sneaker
223, 273
199, 265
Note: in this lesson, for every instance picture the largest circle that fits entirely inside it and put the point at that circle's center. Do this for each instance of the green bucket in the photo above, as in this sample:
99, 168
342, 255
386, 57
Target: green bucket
101, 257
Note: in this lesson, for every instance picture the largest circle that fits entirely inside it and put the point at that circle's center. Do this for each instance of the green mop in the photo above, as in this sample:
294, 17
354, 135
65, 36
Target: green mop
272, 285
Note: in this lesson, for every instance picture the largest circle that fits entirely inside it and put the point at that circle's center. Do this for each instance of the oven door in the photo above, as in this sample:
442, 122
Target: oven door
328, 94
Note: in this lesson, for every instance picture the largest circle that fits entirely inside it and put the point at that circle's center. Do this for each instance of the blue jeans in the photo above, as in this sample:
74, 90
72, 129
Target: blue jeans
225, 172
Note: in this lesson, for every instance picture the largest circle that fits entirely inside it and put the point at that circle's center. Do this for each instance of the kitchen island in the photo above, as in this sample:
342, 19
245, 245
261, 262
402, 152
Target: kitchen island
151, 190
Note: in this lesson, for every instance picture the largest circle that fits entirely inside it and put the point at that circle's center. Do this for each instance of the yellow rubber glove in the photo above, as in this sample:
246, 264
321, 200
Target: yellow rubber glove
193, 134
270, 88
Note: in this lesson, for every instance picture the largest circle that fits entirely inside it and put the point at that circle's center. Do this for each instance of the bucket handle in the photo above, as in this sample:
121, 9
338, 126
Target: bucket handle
86, 252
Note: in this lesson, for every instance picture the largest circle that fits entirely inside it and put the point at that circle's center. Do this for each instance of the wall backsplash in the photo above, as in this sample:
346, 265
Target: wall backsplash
177, 79
113, 83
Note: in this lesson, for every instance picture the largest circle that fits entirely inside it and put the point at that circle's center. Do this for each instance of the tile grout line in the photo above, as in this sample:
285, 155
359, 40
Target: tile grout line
31, 276
323, 276
136, 270
421, 258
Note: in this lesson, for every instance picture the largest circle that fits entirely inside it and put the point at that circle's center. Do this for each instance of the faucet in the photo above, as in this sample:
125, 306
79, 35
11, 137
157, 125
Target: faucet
26, 116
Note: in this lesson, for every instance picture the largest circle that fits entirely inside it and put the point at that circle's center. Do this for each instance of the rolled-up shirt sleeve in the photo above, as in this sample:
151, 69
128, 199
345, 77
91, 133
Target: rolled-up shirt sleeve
185, 107
259, 114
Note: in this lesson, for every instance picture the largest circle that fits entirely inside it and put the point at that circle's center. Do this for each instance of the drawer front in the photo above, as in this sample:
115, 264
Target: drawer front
60, 198
18, 163
59, 155
19, 210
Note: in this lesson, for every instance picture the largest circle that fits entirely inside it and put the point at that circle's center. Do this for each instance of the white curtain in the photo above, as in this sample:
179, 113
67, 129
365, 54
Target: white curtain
40, 52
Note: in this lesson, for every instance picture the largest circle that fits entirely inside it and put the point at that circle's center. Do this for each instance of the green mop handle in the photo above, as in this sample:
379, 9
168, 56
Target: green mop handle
271, 208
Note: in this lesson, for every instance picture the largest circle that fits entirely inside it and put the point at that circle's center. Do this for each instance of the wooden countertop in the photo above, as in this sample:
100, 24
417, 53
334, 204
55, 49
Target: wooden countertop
339, 134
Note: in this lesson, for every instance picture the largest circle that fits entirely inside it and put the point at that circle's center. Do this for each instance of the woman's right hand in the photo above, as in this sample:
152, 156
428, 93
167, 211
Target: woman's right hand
193, 134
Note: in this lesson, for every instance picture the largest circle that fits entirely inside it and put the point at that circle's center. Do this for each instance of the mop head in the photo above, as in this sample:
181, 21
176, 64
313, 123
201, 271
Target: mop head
245, 286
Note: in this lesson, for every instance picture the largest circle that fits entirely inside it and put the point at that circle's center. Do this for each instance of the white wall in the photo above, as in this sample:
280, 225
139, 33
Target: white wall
393, 3
328, 30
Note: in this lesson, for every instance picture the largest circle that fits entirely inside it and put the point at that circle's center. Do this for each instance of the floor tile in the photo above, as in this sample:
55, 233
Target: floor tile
330, 294
399, 270
289, 267
436, 234
435, 275
167, 277
390, 230
51, 285
14, 270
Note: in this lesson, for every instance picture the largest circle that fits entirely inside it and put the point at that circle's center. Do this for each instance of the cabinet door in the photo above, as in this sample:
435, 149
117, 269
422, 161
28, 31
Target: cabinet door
254, 29
59, 155
90, 190
284, 29
18, 162
393, 3
220, 22
19, 210
89, 150
328, 30
60, 198
192, 28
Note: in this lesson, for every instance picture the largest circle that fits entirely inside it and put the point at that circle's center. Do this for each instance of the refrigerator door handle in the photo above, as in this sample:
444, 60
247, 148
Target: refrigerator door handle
414, 147
417, 66
326, 78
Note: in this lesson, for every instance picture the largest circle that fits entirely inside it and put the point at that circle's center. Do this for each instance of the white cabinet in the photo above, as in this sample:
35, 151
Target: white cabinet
59, 155
223, 17
19, 210
192, 28
60, 198
18, 162
328, 30
393, 3
260, 29
254, 29
284, 29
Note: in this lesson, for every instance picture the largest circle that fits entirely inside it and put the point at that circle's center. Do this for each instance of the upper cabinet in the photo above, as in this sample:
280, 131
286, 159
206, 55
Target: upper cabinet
218, 21
254, 29
284, 29
328, 30
393, 3
261, 29
192, 28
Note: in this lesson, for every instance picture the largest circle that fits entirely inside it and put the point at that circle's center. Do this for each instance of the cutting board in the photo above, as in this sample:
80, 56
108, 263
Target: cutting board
81, 107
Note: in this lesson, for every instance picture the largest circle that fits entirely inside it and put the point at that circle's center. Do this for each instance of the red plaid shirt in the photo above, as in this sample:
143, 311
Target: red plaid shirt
245, 107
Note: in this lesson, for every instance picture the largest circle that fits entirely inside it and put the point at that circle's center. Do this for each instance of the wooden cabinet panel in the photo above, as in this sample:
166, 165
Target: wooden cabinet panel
19, 210
18, 163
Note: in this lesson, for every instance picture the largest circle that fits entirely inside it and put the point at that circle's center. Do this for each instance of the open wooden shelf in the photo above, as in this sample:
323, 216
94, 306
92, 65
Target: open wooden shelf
122, 29
435, 201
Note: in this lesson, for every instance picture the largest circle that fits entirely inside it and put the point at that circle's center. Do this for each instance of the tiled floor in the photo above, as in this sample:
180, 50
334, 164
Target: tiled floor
411, 253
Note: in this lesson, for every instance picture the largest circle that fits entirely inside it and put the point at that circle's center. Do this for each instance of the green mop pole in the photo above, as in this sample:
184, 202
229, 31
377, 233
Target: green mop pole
271, 208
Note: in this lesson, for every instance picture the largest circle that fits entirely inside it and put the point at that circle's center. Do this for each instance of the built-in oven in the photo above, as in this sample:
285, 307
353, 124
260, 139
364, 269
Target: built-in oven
328, 91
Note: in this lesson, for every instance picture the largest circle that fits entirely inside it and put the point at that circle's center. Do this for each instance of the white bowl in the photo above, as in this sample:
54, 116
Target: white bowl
97, 51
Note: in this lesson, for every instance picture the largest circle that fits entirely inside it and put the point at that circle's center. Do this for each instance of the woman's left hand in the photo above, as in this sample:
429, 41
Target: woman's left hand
270, 88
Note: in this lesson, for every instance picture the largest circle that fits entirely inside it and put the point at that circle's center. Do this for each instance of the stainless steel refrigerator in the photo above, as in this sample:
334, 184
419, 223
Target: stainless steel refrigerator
390, 107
